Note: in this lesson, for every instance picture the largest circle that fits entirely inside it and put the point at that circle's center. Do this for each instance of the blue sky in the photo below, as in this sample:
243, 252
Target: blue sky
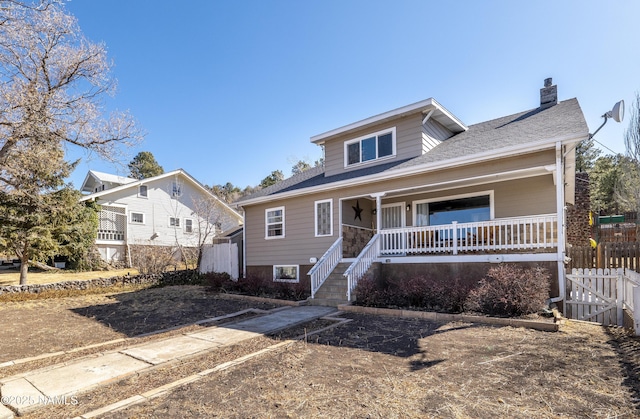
231, 90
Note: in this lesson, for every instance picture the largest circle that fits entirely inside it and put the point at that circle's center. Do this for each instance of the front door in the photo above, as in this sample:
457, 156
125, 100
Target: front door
393, 216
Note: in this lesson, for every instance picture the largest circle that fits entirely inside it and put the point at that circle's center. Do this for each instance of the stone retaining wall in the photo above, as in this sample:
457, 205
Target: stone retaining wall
168, 278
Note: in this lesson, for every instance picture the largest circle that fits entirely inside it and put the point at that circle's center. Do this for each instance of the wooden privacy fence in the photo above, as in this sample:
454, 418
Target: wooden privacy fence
605, 256
603, 295
221, 257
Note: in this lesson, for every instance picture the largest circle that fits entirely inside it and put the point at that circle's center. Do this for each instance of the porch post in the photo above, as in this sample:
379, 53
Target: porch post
378, 221
560, 211
378, 212
378, 198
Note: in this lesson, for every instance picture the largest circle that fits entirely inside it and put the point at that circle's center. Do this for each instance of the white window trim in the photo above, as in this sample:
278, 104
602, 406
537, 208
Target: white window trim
174, 226
143, 196
391, 130
287, 280
492, 216
179, 186
144, 218
266, 224
185, 226
315, 217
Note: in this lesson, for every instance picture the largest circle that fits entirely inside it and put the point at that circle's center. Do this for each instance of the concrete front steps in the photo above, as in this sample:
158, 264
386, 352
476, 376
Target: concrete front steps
334, 289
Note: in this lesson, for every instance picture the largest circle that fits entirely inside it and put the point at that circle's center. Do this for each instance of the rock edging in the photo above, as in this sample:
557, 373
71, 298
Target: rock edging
168, 278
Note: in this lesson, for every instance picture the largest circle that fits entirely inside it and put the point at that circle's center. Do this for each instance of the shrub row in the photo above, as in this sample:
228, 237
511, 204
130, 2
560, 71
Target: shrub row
506, 290
258, 286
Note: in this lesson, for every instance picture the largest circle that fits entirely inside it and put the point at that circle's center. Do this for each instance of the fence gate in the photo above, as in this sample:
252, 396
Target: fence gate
592, 295
221, 257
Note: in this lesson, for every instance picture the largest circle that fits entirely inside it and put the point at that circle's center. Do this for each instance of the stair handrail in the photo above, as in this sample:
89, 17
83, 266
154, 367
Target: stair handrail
325, 265
361, 265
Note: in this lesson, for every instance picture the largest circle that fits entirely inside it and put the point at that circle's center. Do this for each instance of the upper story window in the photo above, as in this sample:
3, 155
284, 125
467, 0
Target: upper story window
370, 147
142, 191
174, 222
274, 223
176, 189
188, 225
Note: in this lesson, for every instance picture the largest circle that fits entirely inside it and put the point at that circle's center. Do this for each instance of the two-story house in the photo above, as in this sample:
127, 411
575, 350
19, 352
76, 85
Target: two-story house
416, 188
170, 210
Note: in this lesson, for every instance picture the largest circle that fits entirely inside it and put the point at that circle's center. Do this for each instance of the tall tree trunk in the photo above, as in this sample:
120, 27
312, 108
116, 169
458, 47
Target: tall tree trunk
24, 268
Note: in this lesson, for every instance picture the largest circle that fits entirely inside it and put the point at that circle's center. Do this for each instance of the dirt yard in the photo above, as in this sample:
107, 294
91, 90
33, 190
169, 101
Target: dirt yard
371, 367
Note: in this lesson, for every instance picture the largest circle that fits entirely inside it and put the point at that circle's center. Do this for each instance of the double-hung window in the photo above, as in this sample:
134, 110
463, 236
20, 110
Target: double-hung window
188, 225
174, 222
136, 218
370, 147
274, 223
324, 218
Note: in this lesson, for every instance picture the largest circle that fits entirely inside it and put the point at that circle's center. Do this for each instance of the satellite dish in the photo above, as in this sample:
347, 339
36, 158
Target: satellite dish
617, 113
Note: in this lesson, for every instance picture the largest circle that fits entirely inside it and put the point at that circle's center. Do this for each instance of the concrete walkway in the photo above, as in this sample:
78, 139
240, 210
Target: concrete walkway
60, 383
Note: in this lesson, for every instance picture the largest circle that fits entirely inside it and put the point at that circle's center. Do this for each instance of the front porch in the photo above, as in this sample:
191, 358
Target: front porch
514, 239
537, 233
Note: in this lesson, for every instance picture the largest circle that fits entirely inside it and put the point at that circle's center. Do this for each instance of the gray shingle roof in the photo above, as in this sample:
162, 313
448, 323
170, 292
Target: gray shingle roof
562, 120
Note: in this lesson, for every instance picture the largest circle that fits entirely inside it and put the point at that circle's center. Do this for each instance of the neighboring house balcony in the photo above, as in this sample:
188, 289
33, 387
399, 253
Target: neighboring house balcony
111, 235
112, 222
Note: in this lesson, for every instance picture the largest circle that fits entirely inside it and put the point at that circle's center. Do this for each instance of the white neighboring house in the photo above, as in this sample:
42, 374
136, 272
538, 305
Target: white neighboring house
159, 211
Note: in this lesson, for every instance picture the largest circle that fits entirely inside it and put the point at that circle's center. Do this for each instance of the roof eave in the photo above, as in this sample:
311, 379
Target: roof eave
172, 173
450, 163
441, 114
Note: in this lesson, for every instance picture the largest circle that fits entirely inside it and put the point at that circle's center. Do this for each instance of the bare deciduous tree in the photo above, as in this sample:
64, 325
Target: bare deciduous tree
632, 133
52, 84
208, 214
52, 81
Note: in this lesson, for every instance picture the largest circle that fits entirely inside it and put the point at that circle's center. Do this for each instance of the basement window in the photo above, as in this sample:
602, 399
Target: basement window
285, 273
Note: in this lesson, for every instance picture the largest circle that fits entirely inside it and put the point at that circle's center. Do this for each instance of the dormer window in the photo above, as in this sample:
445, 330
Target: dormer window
371, 147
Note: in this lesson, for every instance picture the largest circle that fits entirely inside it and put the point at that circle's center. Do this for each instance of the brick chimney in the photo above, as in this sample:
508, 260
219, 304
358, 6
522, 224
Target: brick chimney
548, 94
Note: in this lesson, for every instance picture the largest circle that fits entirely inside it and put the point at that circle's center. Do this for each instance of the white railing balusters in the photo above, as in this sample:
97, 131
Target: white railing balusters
323, 267
535, 232
361, 265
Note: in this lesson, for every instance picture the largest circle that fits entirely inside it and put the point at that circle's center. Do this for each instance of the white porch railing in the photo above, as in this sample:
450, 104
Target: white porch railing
323, 267
363, 262
535, 232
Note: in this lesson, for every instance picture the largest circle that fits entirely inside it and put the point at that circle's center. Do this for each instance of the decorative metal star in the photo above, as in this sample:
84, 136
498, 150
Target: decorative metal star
358, 211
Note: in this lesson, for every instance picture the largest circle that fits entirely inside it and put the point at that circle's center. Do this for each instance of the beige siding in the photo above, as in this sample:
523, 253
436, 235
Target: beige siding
436, 130
528, 196
433, 133
408, 143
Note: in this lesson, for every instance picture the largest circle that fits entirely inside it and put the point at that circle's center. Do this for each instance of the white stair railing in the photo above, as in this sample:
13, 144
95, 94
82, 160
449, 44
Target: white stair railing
361, 265
323, 267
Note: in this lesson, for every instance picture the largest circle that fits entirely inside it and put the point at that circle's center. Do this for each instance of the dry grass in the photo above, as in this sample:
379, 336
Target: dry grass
377, 367
373, 366
12, 277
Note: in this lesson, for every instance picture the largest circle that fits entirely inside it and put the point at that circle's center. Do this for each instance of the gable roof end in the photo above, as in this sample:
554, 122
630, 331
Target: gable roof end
440, 114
